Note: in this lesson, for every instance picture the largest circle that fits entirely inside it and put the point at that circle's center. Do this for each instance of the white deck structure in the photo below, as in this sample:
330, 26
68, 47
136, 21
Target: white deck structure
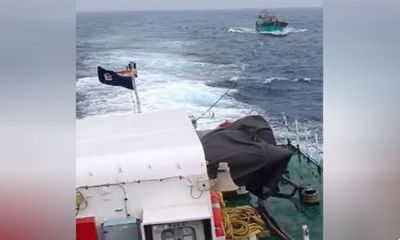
153, 160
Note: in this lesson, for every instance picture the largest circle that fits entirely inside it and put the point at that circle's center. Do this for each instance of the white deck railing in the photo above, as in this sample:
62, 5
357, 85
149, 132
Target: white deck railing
307, 141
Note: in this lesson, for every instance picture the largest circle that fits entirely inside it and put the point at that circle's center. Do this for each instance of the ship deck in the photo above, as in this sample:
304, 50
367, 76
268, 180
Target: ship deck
291, 214
288, 215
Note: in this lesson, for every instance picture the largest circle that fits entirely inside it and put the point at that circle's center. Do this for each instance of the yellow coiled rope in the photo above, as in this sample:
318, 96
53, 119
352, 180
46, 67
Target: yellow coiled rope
241, 222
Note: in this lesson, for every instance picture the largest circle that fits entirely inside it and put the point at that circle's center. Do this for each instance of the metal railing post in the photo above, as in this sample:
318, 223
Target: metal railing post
297, 134
306, 138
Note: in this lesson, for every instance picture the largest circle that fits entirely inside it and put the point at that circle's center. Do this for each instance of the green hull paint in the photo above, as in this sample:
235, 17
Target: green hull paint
272, 27
291, 213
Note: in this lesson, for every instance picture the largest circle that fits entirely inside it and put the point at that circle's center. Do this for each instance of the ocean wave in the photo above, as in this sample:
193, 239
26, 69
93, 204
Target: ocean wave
192, 66
302, 79
294, 30
241, 30
158, 92
272, 79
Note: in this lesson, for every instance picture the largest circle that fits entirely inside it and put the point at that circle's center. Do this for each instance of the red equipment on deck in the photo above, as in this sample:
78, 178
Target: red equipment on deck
86, 229
224, 124
217, 214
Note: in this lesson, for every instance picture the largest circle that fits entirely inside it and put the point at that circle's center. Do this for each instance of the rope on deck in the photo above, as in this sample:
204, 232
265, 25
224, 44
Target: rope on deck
242, 222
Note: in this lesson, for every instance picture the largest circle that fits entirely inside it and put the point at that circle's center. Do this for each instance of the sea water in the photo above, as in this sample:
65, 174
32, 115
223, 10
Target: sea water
190, 58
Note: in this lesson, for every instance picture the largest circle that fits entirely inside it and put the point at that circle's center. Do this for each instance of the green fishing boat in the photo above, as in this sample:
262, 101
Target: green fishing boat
268, 23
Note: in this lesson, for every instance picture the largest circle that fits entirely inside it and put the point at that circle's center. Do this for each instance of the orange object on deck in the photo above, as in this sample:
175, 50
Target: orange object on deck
217, 215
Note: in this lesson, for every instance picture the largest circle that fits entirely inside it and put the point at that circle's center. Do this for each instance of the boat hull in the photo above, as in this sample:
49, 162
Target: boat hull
271, 27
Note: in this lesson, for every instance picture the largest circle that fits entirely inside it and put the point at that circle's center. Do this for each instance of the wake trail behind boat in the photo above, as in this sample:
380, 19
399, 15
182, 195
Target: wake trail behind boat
241, 30
197, 58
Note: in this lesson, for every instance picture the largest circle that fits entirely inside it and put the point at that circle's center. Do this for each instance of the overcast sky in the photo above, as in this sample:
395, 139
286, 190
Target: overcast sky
138, 5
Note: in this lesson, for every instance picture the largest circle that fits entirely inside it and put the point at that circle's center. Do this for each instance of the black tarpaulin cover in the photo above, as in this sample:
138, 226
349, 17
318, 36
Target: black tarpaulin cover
249, 147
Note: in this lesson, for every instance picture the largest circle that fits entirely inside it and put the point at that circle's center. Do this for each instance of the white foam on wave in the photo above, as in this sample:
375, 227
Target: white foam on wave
194, 96
302, 79
294, 30
272, 79
165, 82
234, 78
241, 30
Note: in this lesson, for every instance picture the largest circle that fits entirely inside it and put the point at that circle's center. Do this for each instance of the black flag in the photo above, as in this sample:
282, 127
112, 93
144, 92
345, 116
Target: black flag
122, 79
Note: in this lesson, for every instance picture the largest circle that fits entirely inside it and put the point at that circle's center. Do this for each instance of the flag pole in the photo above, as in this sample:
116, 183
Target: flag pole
134, 103
128, 67
134, 74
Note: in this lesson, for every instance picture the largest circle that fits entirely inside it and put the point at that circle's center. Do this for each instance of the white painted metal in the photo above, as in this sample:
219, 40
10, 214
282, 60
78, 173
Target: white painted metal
133, 102
123, 149
286, 126
317, 141
175, 214
192, 230
306, 232
133, 67
318, 148
306, 137
191, 215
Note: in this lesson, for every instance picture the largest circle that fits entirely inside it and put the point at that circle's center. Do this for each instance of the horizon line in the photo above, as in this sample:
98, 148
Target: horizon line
183, 10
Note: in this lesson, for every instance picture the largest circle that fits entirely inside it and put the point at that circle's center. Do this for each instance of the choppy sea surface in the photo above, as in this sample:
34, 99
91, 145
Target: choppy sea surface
190, 58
